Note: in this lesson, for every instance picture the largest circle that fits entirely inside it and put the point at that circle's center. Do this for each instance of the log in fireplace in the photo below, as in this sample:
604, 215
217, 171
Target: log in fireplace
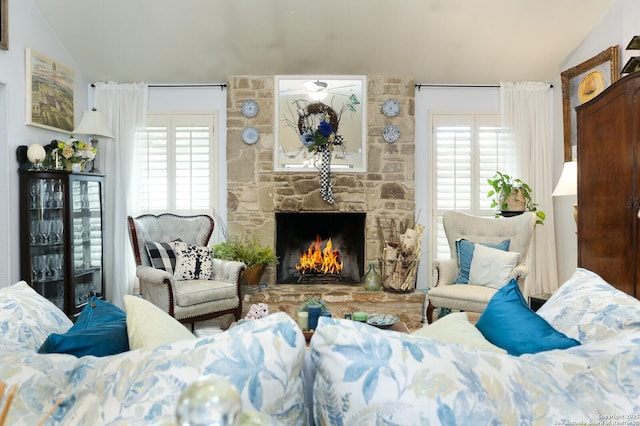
323, 239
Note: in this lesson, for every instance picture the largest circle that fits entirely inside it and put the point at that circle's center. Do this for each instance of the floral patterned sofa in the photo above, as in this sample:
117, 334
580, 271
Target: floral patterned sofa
378, 377
358, 374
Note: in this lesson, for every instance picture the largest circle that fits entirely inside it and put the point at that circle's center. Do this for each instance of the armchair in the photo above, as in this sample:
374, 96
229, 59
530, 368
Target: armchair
469, 297
187, 300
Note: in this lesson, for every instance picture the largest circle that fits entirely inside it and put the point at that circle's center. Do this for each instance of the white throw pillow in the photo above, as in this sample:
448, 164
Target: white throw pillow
491, 267
149, 326
456, 328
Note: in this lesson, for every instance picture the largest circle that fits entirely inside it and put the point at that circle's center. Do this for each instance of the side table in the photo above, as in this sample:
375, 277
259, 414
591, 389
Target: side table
537, 300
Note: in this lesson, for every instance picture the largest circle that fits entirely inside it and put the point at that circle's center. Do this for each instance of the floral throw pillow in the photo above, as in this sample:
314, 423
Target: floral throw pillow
192, 262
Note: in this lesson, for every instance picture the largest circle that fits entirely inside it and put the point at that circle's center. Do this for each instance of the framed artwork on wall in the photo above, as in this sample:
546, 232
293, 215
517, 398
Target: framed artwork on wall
582, 83
49, 93
4, 24
303, 103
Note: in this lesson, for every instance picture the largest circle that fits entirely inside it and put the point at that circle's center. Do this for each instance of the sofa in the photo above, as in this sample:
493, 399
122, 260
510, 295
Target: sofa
354, 373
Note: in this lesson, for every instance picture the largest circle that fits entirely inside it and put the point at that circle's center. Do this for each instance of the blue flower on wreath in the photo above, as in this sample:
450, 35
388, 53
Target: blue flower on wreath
325, 129
307, 138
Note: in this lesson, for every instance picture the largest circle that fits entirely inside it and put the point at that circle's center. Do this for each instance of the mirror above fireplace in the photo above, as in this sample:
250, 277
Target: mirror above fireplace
302, 103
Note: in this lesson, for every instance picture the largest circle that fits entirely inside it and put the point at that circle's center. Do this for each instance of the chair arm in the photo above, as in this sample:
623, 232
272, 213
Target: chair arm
520, 272
157, 286
446, 271
227, 270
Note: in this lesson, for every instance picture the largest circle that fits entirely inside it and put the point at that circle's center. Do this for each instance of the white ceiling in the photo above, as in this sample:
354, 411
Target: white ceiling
435, 41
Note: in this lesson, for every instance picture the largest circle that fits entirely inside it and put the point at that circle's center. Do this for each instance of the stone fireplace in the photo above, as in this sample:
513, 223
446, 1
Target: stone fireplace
256, 194
327, 238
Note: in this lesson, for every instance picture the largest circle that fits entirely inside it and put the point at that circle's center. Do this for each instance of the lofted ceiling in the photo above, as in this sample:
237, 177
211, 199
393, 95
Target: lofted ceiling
435, 41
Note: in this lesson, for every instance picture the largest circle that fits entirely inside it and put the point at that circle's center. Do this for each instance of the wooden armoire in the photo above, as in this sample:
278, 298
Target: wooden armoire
608, 138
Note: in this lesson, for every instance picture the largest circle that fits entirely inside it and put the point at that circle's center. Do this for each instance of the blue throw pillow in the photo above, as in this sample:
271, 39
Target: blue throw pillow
509, 323
464, 251
100, 330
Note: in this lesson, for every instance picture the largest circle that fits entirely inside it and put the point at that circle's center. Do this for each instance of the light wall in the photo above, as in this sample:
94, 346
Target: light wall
27, 29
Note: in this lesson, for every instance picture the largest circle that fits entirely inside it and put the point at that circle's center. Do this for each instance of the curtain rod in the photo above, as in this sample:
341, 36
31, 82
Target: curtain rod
220, 85
420, 85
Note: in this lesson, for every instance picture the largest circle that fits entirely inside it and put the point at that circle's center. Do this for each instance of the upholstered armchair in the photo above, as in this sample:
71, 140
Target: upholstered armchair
462, 231
176, 270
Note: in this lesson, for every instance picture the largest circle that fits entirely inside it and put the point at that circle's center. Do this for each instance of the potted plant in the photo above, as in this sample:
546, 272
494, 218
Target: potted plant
253, 254
513, 195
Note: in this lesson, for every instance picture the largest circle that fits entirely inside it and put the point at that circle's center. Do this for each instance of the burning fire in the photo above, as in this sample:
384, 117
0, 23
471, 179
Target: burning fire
317, 260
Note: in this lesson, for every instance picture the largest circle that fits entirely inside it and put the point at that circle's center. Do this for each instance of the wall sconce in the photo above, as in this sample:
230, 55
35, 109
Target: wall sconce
568, 184
93, 123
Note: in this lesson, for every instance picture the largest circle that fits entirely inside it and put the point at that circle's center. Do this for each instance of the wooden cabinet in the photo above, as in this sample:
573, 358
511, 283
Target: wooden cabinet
61, 236
608, 132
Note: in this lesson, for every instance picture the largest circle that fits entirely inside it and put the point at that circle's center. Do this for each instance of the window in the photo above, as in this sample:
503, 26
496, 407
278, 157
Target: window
467, 150
177, 164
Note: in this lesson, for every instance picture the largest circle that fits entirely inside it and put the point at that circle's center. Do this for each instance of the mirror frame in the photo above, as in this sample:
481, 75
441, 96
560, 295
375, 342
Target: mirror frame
289, 154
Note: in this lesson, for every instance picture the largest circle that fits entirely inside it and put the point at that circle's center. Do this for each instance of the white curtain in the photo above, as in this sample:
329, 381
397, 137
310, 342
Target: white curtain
525, 110
126, 108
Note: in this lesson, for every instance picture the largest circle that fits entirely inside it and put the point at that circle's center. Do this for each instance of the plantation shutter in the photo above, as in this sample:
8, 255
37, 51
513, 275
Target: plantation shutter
467, 151
177, 159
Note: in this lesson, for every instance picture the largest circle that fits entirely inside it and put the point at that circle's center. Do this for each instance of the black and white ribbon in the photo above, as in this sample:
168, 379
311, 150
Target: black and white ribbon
326, 186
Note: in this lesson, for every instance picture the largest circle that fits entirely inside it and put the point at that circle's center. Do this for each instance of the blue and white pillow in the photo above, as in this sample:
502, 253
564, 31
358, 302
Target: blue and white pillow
27, 318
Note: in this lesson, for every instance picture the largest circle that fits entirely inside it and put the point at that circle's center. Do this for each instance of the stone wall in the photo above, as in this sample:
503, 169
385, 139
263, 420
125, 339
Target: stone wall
255, 192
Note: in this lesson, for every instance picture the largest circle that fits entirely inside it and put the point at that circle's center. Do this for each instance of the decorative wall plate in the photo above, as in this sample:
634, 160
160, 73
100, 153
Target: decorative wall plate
390, 108
249, 108
391, 133
250, 135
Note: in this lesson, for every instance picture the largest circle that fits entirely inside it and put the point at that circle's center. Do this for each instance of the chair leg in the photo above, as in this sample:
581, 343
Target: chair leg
430, 309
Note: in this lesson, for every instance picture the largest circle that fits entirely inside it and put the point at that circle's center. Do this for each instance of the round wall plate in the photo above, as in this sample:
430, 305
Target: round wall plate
391, 133
249, 108
250, 135
390, 108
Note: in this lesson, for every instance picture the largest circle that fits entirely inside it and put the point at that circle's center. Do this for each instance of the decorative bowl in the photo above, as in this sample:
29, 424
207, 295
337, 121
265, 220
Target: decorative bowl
382, 320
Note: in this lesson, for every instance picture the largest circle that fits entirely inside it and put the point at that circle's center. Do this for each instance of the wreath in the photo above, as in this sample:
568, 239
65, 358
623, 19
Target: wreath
315, 109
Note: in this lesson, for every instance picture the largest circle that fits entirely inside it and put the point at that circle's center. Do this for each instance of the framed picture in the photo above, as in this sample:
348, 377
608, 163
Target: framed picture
50, 87
302, 103
582, 83
4, 24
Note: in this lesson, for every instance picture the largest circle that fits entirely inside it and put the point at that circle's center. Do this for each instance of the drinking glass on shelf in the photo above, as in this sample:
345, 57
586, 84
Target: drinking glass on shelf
33, 191
34, 231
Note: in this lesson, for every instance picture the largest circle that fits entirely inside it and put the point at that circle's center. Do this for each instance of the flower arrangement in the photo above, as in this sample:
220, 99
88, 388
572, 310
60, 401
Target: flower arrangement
75, 151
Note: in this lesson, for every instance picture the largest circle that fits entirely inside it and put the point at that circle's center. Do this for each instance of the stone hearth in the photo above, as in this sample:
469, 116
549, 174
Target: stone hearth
341, 299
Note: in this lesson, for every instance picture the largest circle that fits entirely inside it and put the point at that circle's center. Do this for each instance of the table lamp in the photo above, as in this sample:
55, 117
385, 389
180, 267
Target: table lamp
568, 184
93, 123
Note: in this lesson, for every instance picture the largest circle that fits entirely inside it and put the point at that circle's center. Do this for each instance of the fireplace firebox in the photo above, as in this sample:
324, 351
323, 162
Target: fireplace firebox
333, 242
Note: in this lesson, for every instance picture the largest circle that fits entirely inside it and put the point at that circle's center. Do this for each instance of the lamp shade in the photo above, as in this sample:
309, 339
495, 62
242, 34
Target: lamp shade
568, 183
93, 123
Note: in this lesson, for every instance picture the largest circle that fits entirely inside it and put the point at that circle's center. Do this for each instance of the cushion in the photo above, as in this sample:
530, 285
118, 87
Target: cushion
492, 267
370, 376
263, 359
100, 330
509, 323
150, 326
464, 251
27, 318
589, 309
162, 255
456, 328
192, 262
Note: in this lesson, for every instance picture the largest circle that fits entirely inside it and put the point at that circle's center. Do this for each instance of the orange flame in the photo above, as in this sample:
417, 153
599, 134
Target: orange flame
318, 260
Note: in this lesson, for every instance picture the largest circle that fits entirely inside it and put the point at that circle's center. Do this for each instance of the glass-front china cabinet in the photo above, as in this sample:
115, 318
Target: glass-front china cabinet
61, 236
